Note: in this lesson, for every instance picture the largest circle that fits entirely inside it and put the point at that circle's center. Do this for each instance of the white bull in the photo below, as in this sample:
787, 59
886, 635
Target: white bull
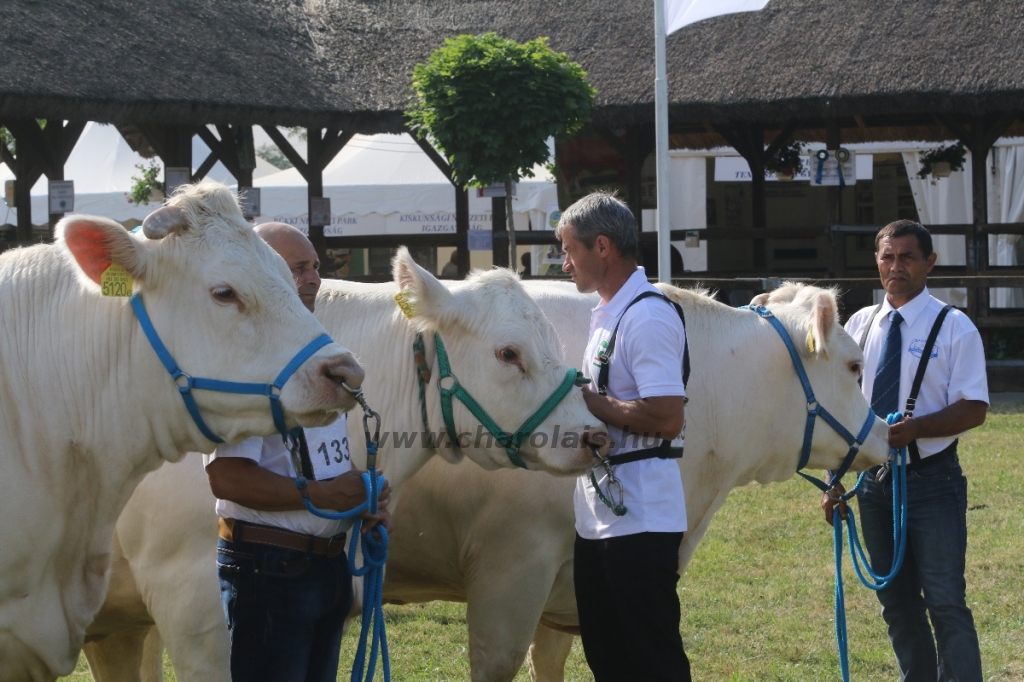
503, 351
454, 535
87, 409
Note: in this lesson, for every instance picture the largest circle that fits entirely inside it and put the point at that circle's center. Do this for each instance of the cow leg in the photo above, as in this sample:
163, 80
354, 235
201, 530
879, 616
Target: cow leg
153, 657
501, 617
117, 657
548, 653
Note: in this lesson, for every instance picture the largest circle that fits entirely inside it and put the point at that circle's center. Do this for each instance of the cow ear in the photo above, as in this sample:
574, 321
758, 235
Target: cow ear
421, 296
823, 319
760, 299
95, 243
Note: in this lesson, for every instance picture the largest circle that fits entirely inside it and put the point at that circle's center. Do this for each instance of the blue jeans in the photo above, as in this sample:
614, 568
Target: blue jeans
932, 576
285, 611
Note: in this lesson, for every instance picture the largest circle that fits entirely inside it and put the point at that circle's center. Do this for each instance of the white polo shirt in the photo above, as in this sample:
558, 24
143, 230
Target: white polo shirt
647, 362
329, 455
956, 370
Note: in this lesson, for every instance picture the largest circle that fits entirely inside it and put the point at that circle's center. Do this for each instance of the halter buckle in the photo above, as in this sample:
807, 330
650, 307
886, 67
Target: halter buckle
812, 406
451, 387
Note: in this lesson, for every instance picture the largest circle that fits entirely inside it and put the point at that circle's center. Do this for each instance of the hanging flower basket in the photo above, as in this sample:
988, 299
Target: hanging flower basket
786, 163
941, 162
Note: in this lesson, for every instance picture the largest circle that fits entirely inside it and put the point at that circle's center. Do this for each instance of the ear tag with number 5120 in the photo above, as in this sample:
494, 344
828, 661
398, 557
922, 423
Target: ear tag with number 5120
115, 281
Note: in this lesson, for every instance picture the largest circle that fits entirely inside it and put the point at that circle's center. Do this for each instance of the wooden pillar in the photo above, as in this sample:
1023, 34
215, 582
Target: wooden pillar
462, 230
634, 146
461, 206
315, 188
978, 136
499, 248
834, 199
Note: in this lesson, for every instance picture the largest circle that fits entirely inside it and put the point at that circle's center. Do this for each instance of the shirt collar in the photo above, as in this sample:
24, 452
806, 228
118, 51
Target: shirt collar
910, 309
624, 295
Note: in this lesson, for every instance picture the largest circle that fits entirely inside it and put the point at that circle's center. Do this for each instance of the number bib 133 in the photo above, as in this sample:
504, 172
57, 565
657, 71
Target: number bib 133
328, 449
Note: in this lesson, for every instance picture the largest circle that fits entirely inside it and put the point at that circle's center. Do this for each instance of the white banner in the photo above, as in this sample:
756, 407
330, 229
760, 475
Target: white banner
736, 169
680, 13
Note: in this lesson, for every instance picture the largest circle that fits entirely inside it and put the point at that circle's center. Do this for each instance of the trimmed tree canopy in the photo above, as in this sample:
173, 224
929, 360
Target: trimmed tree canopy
491, 103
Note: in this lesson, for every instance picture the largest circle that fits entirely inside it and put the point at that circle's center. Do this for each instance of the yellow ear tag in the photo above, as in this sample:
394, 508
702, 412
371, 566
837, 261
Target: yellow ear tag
810, 342
405, 305
115, 281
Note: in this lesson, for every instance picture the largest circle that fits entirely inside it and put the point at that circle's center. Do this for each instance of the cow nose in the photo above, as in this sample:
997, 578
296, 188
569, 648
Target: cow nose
596, 440
344, 369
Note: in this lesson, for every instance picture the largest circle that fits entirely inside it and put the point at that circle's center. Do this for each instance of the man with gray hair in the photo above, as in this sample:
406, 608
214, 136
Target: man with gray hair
630, 510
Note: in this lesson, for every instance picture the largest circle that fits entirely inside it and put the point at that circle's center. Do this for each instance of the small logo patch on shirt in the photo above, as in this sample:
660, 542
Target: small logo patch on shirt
917, 348
601, 353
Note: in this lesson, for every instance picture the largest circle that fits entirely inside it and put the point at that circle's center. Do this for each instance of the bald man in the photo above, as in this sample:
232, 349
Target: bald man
284, 579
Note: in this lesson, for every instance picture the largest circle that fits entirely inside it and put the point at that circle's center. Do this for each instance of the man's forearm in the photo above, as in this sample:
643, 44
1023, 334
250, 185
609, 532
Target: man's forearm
952, 420
661, 417
246, 483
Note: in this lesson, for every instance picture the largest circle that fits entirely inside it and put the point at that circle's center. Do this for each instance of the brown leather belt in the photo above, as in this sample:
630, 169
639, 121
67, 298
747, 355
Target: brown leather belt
233, 530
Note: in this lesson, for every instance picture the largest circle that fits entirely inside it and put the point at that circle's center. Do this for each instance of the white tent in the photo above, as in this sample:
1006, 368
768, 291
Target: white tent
102, 165
385, 184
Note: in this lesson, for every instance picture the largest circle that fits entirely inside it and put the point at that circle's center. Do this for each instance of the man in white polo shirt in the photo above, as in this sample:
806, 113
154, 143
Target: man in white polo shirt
953, 399
284, 577
626, 563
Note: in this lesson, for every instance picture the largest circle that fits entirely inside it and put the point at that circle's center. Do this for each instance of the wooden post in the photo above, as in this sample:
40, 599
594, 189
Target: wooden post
462, 229
499, 249
834, 199
461, 206
978, 136
315, 188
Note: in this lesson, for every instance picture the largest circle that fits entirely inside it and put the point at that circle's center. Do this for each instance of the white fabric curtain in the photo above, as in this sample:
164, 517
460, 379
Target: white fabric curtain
944, 201
1006, 205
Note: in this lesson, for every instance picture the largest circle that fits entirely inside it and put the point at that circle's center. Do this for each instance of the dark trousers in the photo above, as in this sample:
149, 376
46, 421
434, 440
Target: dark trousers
629, 609
285, 611
931, 581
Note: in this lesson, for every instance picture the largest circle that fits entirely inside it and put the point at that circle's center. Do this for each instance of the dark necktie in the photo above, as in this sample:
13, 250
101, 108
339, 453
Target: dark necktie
885, 394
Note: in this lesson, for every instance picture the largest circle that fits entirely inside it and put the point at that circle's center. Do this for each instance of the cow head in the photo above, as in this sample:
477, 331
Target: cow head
507, 355
834, 363
225, 306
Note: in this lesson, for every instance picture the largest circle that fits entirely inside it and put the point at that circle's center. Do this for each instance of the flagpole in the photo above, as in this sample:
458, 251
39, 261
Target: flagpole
661, 144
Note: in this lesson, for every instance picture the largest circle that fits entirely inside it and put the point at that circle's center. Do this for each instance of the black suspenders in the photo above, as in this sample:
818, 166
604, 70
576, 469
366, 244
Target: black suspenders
926, 354
663, 451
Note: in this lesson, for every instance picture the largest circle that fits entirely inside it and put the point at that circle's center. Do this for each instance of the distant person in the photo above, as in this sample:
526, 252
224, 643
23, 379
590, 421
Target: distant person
953, 399
451, 268
527, 260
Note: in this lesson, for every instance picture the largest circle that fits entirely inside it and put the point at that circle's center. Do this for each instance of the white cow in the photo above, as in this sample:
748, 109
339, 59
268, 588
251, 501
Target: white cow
502, 349
87, 409
453, 540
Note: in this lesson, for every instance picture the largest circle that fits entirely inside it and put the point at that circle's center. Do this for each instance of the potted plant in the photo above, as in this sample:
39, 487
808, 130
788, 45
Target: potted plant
942, 161
786, 163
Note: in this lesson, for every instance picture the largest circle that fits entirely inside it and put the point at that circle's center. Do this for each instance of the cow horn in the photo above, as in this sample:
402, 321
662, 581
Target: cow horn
163, 222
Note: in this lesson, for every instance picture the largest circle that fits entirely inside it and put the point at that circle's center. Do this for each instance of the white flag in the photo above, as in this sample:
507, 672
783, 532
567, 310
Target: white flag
679, 13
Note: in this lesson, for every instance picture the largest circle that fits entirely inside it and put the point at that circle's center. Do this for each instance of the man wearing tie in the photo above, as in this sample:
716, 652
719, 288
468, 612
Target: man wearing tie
953, 399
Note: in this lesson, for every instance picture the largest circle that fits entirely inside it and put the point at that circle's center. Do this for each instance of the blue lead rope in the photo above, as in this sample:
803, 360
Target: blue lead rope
374, 549
873, 581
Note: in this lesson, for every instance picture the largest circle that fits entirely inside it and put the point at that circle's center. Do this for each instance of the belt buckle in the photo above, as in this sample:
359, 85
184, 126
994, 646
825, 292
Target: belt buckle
335, 545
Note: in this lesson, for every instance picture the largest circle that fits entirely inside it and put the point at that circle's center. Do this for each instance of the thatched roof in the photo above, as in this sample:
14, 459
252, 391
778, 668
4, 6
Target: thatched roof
348, 62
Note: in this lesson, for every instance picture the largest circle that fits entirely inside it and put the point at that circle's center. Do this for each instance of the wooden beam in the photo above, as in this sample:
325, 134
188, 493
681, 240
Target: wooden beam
333, 144
205, 167
288, 150
782, 138
436, 157
223, 149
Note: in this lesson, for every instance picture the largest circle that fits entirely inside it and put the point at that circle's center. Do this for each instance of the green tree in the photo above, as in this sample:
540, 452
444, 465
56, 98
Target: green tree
490, 104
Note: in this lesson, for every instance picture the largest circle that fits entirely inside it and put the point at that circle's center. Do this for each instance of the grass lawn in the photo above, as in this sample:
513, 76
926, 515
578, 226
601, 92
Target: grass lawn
757, 597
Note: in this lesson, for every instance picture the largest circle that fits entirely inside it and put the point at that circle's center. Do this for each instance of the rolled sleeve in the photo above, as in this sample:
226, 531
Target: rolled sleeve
250, 448
655, 348
967, 378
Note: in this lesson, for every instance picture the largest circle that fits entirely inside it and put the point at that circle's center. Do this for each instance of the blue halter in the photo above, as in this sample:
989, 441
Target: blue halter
816, 410
186, 383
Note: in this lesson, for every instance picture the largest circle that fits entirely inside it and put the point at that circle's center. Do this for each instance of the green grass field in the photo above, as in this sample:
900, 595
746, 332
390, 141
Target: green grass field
757, 597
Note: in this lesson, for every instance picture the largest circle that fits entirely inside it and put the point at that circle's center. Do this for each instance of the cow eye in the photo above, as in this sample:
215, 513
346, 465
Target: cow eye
856, 368
224, 294
509, 355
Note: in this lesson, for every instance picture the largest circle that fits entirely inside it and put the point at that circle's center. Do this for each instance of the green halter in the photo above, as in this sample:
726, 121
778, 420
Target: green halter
510, 441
